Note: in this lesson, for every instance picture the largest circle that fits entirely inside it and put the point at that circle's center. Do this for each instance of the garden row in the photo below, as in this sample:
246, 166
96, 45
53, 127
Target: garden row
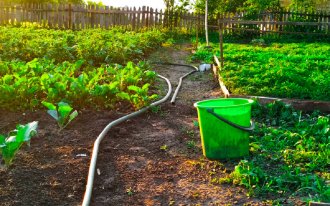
82, 68
289, 149
291, 70
26, 85
95, 46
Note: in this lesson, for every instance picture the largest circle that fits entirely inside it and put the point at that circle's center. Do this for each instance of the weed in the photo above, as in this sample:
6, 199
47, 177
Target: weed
189, 132
171, 203
191, 144
196, 123
164, 147
129, 191
156, 109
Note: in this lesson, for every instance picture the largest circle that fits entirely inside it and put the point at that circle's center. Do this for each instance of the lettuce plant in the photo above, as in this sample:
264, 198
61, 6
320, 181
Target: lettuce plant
10, 144
61, 113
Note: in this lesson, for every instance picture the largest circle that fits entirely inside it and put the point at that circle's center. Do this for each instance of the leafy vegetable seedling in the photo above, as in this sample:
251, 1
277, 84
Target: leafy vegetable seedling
11, 144
62, 113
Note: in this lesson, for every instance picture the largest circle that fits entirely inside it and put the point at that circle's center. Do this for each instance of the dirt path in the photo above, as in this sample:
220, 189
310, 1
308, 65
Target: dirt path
154, 159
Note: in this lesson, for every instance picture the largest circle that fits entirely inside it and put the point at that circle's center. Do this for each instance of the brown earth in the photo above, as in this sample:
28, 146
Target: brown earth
154, 159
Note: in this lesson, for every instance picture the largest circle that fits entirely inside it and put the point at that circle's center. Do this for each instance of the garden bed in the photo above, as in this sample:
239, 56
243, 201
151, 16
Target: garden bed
290, 70
156, 158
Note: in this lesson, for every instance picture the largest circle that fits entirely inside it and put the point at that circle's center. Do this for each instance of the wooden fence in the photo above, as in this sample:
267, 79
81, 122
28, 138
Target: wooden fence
82, 16
276, 22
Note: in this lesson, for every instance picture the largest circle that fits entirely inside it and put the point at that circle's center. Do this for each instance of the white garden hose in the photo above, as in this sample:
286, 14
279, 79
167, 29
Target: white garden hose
179, 85
181, 78
92, 166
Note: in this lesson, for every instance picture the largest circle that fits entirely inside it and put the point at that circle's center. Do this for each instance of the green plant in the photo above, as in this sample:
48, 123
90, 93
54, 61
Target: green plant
191, 144
10, 144
203, 54
289, 154
189, 132
130, 191
138, 96
164, 147
156, 109
24, 85
61, 113
196, 123
95, 46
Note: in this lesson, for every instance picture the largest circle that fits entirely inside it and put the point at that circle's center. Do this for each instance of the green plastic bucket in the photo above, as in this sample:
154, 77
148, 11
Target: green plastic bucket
224, 127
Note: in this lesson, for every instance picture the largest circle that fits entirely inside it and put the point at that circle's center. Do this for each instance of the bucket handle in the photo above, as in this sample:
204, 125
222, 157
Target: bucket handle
248, 129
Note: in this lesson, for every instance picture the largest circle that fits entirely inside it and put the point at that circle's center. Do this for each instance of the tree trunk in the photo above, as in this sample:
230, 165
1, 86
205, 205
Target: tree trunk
206, 29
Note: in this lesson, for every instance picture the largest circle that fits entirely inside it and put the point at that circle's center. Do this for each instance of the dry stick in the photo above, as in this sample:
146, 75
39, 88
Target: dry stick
319, 204
221, 83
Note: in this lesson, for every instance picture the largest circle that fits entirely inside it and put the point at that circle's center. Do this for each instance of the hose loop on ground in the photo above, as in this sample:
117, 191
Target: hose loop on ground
91, 173
181, 78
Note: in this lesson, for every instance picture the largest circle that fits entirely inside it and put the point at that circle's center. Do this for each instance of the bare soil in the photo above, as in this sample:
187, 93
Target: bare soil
154, 159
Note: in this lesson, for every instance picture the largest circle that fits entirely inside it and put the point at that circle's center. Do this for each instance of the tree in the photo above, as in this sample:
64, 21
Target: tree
218, 6
307, 4
94, 3
169, 4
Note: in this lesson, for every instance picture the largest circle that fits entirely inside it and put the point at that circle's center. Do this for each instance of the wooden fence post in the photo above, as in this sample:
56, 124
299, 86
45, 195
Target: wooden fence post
156, 18
151, 17
160, 18
133, 18
197, 30
220, 24
143, 16
70, 17
138, 20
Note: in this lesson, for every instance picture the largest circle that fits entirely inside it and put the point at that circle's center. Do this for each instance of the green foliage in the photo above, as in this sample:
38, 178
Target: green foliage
307, 4
80, 67
95, 46
253, 7
202, 54
250, 6
291, 70
62, 113
9, 145
138, 96
26, 85
95, 3
191, 144
216, 6
130, 191
289, 158
164, 147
